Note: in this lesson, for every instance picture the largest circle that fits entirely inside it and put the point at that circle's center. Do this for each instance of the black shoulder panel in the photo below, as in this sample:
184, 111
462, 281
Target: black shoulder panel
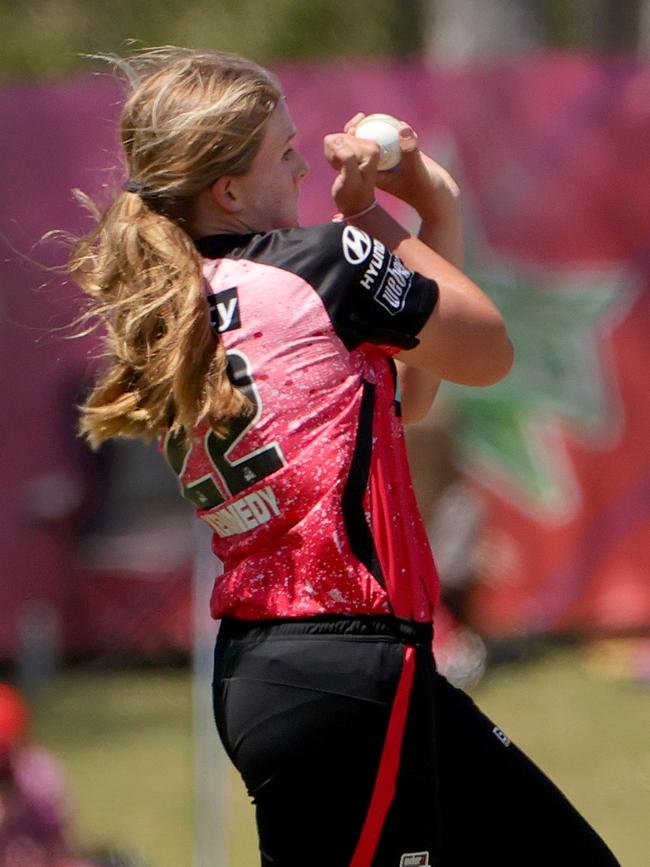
370, 296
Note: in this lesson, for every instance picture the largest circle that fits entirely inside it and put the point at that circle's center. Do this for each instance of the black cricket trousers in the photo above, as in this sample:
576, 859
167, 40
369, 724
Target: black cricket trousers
357, 753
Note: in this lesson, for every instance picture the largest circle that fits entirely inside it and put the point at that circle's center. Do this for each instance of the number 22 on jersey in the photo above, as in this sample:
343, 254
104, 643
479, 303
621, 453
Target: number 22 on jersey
227, 477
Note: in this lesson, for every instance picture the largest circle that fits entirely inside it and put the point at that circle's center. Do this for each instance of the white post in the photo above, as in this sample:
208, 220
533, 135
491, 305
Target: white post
481, 29
211, 765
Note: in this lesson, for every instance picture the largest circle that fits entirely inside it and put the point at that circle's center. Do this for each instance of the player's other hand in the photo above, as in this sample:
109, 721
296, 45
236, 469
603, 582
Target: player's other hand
355, 161
418, 180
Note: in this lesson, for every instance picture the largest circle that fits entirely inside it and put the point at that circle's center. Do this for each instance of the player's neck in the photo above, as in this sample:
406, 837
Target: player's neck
209, 219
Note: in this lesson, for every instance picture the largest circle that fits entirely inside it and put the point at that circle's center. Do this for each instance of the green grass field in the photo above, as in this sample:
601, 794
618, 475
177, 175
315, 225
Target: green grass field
125, 740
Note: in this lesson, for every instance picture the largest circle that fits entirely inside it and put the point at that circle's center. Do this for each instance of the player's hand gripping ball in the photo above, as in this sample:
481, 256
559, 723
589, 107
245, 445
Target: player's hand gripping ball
383, 129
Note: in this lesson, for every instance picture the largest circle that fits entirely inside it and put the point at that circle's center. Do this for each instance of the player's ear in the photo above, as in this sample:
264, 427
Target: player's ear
227, 194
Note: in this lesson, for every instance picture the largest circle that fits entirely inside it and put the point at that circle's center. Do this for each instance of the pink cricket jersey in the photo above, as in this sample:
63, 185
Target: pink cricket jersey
310, 497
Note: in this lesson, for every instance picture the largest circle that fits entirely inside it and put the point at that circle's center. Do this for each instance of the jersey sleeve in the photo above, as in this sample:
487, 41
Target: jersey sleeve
369, 294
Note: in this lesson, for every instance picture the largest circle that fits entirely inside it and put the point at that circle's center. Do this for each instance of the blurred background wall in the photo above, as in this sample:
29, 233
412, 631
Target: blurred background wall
541, 110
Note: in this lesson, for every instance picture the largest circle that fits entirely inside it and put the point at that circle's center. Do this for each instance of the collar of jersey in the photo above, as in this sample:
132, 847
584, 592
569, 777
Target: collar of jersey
216, 246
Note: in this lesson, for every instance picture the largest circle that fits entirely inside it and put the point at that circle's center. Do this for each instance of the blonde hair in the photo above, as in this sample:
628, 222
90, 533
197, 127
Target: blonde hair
190, 118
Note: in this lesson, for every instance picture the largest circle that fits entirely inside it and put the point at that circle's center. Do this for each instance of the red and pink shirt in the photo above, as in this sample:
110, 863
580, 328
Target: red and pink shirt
309, 497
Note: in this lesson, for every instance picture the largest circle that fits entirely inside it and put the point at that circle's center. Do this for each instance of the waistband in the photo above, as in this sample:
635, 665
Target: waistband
381, 625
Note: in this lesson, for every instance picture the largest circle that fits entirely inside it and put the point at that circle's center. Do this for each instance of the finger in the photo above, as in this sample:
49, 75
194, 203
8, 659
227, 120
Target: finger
352, 124
342, 149
408, 139
341, 156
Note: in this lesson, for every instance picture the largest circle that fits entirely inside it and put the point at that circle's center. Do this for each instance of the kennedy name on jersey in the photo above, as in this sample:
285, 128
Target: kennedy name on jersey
244, 514
385, 275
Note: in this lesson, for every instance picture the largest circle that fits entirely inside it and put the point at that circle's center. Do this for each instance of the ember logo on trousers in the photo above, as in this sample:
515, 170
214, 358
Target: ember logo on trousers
414, 859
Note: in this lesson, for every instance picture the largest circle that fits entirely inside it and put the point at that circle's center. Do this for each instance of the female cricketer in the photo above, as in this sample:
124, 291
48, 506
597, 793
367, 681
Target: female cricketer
276, 365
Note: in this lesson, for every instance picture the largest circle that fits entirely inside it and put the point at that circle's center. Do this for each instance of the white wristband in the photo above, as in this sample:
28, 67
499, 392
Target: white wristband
342, 218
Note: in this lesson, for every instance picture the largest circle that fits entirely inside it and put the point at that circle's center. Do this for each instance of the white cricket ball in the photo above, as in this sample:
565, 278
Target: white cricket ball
383, 129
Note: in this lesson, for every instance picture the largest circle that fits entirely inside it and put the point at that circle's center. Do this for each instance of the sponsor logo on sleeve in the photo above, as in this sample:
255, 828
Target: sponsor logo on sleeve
388, 279
374, 273
356, 245
385, 276
395, 286
224, 310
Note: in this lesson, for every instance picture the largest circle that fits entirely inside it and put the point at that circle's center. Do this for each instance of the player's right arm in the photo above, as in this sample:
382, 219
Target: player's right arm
464, 339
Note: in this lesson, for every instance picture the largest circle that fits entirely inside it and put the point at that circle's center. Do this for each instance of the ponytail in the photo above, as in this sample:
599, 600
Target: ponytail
167, 370
191, 117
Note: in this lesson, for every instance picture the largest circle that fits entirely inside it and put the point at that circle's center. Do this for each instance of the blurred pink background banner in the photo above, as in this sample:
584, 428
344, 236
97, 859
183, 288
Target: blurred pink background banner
552, 154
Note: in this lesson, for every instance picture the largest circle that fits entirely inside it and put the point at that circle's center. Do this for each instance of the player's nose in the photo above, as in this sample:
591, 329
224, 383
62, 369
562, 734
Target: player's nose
302, 167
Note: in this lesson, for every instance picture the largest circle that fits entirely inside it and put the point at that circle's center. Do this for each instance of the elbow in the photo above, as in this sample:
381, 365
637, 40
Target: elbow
486, 366
498, 362
506, 357
479, 358
413, 415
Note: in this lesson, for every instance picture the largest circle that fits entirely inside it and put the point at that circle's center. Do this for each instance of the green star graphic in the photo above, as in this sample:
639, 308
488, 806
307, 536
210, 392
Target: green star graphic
558, 323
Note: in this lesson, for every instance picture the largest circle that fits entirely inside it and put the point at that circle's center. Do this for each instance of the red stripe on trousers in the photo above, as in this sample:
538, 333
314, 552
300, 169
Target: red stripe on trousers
384, 791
